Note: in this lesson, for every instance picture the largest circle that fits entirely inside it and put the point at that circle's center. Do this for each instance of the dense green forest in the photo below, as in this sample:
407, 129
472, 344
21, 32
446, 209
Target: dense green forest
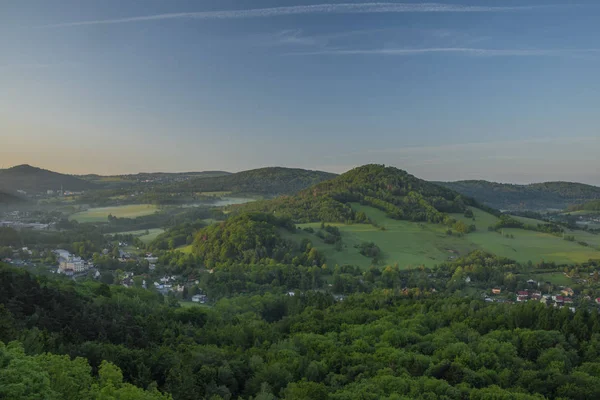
382, 342
37, 180
264, 181
537, 196
252, 238
399, 194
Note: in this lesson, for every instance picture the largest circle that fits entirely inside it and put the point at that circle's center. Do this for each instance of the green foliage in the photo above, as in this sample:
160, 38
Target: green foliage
400, 195
252, 238
369, 249
263, 181
382, 341
48, 376
177, 236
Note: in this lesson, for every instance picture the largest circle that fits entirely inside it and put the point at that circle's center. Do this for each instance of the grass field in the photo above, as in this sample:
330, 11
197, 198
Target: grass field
186, 249
215, 194
555, 278
413, 244
187, 304
101, 214
141, 234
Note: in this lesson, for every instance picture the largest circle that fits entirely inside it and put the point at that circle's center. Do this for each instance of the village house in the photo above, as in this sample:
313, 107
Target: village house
568, 301
567, 292
496, 291
199, 298
522, 299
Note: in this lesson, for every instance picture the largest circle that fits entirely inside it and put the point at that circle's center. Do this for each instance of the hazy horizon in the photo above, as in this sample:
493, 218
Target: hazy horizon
505, 91
276, 166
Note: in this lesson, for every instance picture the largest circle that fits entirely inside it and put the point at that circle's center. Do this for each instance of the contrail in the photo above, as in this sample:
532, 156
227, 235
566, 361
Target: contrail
463, 50
345, 8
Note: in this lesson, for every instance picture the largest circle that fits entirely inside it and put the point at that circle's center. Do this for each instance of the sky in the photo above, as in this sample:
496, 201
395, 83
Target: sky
498, 90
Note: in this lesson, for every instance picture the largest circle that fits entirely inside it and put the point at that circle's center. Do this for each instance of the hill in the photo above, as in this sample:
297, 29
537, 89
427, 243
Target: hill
252, 238
537, 196
36, 180
399, 194
127, 180
270, 181
592, 206
9, 198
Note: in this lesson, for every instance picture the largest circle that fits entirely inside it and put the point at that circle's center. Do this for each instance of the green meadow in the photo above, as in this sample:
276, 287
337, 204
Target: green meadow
101, 214
413, 244
186, 249
143, 236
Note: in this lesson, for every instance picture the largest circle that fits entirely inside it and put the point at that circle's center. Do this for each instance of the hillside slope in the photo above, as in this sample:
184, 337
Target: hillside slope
9, 198
262, 181
399, 194
537, 196
37, 180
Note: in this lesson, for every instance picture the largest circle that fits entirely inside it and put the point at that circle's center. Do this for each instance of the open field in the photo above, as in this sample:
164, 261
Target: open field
186, 249
188, 304
582, 212
101, 214
215, 194
141, 234
555, 278
413, 244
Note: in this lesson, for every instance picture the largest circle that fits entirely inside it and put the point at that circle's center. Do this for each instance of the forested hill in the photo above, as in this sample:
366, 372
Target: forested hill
399, 194
37, 180
86, 340
537, 196
262, 181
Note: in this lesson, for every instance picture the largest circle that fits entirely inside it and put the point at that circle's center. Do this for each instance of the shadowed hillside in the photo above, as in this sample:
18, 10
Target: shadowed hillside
263, 181
537, 196
8, 198
37, 180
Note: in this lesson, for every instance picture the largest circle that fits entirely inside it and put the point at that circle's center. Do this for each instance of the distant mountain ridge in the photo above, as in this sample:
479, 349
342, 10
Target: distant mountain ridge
399, 194
269, 181
536, 196
37, 180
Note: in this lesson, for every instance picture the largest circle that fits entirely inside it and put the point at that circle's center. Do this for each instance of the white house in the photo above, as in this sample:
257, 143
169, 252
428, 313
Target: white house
199, 298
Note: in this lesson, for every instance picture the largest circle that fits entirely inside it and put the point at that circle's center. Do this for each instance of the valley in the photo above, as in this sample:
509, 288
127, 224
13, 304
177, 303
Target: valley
213, 265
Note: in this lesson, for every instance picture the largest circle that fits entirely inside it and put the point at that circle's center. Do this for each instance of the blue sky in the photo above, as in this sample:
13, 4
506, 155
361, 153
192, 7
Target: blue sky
499, 90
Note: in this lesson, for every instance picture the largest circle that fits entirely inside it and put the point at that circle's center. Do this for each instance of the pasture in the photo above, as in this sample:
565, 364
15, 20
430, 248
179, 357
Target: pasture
413, 243
101, 214
555, 278
143, 236
186, 249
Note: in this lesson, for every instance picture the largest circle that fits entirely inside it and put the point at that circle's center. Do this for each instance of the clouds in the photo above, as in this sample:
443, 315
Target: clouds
455, 50
345, 8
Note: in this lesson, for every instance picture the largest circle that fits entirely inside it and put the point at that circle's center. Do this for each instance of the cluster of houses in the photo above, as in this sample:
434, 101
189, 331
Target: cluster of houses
560, 300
